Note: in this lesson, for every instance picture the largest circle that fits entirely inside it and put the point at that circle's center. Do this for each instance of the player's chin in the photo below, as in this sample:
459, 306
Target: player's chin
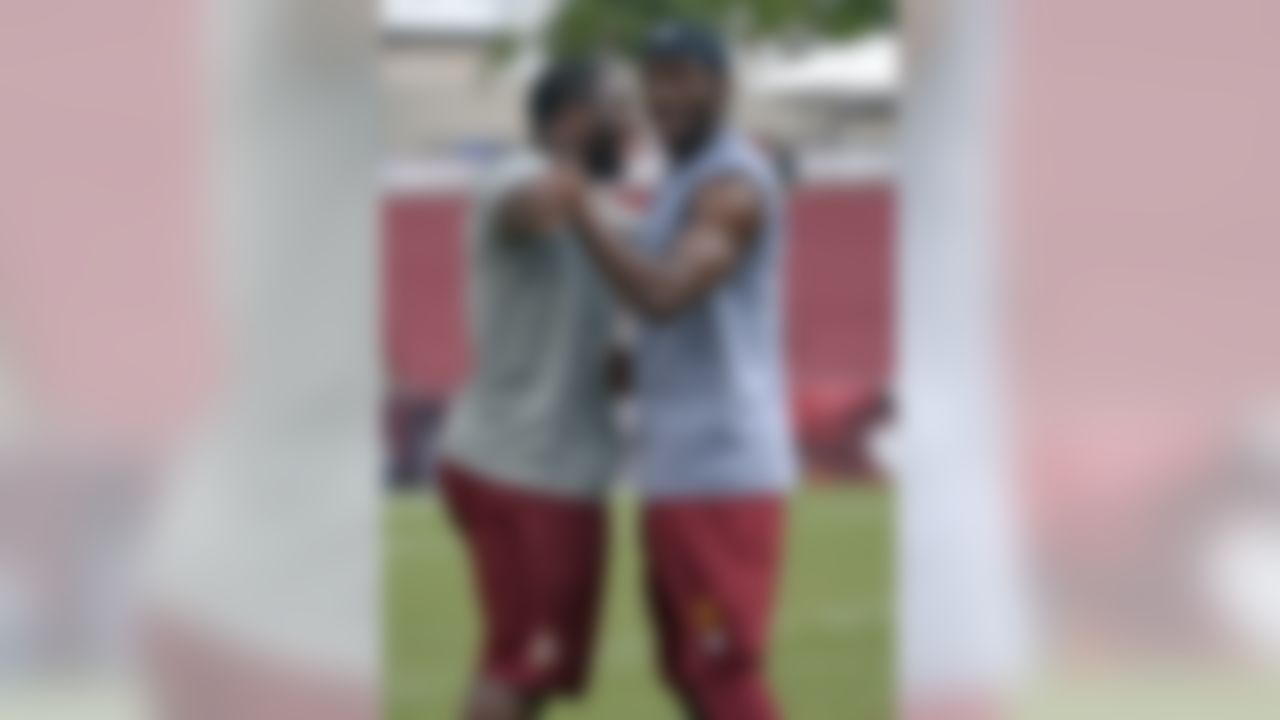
605, 169
671, 128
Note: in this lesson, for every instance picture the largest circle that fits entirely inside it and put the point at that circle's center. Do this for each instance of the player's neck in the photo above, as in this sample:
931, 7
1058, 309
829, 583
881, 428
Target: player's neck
690, 148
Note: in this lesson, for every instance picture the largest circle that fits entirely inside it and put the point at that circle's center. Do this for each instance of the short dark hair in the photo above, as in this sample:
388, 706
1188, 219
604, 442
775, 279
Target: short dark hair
560, 85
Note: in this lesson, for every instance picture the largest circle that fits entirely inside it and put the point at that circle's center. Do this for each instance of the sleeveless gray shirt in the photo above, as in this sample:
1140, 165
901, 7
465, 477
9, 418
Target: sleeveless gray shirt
712, 408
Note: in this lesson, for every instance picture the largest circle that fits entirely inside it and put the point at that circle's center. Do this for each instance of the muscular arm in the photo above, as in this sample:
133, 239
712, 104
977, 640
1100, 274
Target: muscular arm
531, 211
721, 227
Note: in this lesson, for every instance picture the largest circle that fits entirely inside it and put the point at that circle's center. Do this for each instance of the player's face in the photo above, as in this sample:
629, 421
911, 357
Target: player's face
684, 98
608, 137
593, 137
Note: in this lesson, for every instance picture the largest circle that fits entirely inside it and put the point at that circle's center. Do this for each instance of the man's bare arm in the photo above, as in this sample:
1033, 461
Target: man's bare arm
532, 211
722, 226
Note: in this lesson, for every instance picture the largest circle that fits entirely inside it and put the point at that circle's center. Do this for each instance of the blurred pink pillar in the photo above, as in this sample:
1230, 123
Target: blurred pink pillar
1141, 161
105, 326
1090, 252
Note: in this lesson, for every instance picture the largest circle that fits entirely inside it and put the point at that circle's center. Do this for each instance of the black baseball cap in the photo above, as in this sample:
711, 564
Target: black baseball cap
678, 40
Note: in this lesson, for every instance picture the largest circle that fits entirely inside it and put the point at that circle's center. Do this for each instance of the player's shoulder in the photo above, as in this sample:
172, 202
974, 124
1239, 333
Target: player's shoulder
757, 159
513, 172
738, 174
739, 164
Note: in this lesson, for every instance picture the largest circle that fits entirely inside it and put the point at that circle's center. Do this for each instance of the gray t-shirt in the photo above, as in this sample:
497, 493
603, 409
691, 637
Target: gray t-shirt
537, 409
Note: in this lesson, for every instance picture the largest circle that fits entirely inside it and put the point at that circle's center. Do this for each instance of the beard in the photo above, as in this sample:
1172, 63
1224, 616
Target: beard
603, 156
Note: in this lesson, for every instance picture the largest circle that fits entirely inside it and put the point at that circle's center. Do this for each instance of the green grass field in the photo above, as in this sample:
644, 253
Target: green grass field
833, 640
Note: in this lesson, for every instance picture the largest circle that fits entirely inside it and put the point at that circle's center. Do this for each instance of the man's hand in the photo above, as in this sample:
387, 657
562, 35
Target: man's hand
546, 205
572, 190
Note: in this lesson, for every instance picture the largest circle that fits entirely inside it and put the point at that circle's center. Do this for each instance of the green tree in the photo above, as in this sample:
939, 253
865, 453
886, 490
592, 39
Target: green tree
595, 25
